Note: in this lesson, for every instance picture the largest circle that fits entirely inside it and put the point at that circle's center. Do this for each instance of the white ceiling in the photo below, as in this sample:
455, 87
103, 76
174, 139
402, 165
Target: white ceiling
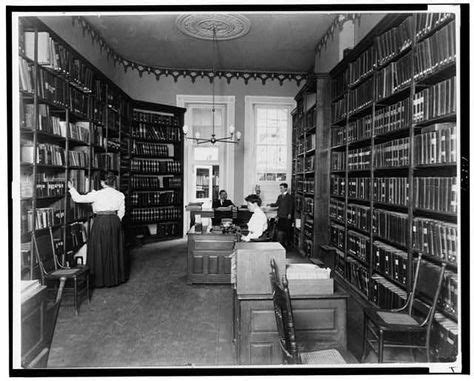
276, 42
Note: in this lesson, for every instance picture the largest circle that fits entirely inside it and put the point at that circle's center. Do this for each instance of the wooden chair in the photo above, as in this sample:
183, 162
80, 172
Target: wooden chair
399, 328
286, 327
52, 271
50, 317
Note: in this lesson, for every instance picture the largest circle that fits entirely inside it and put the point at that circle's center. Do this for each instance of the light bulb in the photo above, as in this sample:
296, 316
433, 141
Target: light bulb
185, 129
238, 135
197, 135
231, 129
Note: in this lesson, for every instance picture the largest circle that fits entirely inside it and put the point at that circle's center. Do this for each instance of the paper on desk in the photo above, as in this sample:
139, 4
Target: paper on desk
306, 271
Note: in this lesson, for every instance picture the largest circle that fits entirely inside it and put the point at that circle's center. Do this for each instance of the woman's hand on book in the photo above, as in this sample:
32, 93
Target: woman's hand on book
70, 185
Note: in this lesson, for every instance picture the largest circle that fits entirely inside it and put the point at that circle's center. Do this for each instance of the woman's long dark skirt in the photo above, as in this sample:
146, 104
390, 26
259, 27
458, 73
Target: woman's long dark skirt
105, 254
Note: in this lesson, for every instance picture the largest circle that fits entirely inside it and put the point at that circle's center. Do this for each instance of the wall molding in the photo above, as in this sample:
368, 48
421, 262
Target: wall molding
158, 72
337, 24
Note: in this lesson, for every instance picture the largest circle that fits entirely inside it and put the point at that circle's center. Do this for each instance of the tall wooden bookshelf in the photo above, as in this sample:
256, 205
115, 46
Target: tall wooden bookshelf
74, 124
156, 172
311, 119
393, 167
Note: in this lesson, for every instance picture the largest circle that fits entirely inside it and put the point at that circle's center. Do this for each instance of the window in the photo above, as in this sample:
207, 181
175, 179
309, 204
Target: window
272, 142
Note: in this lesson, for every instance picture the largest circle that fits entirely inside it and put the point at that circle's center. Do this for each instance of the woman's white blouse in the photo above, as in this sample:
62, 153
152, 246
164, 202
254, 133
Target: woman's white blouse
256, 225
106, 199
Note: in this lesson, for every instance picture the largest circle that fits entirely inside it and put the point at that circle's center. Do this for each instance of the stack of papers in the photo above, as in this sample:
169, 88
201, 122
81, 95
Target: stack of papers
306, 271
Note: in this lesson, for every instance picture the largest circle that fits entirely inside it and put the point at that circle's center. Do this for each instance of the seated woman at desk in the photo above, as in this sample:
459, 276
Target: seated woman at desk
221, 206
258, 222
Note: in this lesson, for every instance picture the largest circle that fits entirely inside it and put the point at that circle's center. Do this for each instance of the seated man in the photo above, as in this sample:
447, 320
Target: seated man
258, 222
221, 205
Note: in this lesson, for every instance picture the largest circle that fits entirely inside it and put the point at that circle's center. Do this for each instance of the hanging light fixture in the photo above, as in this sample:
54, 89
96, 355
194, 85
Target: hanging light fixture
234, 136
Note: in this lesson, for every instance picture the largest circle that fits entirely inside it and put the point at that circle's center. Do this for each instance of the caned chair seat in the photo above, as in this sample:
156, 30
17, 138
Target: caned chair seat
397, 318
327, 356
63, 272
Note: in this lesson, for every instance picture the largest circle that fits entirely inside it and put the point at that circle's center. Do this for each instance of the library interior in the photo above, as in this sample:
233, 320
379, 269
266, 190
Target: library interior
201, 190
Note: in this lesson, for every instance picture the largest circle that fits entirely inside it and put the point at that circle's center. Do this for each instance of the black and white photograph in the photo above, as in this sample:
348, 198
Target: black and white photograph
226, 190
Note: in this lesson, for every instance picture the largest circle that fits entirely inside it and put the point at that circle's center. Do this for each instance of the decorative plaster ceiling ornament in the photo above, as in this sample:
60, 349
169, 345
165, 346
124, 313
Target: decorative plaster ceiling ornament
201, 25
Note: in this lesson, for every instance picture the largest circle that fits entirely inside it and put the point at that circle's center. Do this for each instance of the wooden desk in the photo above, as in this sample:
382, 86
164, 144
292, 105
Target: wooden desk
320, 322
209, 257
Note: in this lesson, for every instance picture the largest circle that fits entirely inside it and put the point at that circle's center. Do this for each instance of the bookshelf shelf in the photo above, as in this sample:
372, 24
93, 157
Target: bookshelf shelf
361, 79
396, 96
451, 117
428, 32
389, 206
445, 216
358, 201
358, 230
445, 71
359, 143
395, 134
360, 111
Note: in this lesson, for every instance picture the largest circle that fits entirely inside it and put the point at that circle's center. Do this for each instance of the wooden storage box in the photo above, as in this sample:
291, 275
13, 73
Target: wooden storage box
311, 286
253, 265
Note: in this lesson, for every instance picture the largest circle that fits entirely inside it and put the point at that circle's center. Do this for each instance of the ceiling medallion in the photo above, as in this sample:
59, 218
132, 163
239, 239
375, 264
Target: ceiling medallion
201, 25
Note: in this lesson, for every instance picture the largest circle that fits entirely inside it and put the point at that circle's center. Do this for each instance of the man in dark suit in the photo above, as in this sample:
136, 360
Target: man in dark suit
222, 207
284, 214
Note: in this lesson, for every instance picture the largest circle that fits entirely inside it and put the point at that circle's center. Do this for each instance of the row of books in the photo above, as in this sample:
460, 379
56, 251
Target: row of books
113, 144
358, 245
305, 186
310, 142
337, 186
437, 144
152, 149
358, 188
435, 101
309, 164
445, 338
395, 40
96, 110
26, 76
426, 22
155, 118
50, 189
337, 210
436, 238
109, 161
338, 136
79, 158
391, 226
337, 236
153, 214
395, 153
48, 154
309, 206
358, 216
435, 52
385, 294
359, 158
339, 109
392, 117
359, 129
393, 77
154, 182
54, 55
391, 190
339, 84
361, 96
448, 300
156, 133
113, 120
338, 161
436, 193
142, 199
390, 261
46, 122
357, 275
167, 229
362, 66
155, 166
45, 217
298, 165
81, 181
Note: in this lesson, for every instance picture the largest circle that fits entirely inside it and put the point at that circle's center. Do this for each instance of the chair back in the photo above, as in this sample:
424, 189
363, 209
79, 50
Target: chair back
45, 253
427, 287
283, 315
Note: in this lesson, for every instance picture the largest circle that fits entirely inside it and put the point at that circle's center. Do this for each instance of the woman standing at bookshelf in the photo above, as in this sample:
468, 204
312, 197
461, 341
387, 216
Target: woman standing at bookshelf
105, 254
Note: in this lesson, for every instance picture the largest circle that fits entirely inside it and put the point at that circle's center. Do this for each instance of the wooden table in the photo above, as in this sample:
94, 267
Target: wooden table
209, 257
320, 322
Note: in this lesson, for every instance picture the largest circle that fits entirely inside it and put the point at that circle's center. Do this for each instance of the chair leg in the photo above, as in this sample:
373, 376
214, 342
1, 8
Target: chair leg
364, 339
380, 354
75, 296
88, 290
428, 354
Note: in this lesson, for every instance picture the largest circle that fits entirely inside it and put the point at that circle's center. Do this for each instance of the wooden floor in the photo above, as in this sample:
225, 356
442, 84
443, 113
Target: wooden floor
156, 319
